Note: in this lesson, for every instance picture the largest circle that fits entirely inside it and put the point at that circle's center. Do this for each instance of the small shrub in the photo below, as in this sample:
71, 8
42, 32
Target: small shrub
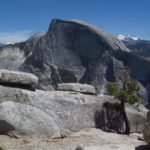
112, 88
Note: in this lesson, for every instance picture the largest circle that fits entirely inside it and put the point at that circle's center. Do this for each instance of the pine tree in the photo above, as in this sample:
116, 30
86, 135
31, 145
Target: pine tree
126, 93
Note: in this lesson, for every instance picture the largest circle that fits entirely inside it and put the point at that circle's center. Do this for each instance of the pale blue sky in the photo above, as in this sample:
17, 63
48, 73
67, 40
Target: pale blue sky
21, 18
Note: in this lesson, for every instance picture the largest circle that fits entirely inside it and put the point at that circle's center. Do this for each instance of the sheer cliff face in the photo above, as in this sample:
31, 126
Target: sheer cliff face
76, 40
74, 51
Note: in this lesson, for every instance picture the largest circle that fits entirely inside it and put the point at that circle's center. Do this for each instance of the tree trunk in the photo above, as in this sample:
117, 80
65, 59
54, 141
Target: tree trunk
125, 118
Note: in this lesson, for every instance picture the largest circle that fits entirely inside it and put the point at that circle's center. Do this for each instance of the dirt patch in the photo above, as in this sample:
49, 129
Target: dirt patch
90, 139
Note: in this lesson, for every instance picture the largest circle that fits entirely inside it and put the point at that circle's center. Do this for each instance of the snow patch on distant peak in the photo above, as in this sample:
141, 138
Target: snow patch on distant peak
128, 37
6, 43
120, 37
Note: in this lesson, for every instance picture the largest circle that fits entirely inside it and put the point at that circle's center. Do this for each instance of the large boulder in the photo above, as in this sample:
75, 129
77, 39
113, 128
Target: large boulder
20, 119
137, 117
74, 110
70, 110
113, 120
82, 88
146, 131
17, 78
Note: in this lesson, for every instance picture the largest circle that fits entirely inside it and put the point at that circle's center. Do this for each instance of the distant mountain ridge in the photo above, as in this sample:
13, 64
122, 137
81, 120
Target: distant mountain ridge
128, 38
136, 45
1, 45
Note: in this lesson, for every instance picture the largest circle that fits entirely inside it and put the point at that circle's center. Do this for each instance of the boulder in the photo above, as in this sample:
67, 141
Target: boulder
146, 131
137, 117
22, 119
113, 120
70, 110
74, 111
76, 87
17, 78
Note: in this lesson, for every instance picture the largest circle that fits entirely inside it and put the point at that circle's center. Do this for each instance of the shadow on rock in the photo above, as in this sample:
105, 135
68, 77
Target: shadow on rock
109, 120
20, 86
143, 147
5, 127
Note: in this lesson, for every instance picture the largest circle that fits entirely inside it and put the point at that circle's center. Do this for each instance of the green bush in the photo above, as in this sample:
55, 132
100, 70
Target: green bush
127, 95
112, 88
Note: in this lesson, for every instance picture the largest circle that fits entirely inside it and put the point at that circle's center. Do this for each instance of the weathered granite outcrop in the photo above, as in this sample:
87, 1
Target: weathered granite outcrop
67, 110
17, 78
82, 88
20, 119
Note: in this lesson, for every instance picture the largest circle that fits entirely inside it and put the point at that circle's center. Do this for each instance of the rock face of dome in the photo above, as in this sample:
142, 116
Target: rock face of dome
74, 51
